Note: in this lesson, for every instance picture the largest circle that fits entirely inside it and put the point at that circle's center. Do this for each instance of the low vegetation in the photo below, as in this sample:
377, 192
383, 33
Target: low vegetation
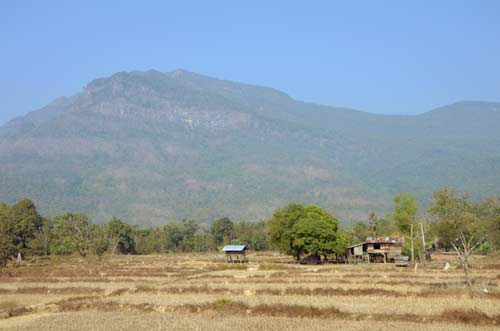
184, 290
68, 266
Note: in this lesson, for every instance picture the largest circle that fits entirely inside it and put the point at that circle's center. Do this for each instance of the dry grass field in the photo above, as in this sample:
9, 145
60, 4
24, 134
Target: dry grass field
202, 292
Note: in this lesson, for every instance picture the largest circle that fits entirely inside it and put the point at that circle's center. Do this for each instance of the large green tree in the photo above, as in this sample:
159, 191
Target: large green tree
27, 223
297, 230
281, 228
73, 232
315, 232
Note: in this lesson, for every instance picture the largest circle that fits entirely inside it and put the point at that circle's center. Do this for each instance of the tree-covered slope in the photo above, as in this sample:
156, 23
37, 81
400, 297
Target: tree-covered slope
151, 146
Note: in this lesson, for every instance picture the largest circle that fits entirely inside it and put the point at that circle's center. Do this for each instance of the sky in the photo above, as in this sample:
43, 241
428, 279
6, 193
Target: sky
390, 57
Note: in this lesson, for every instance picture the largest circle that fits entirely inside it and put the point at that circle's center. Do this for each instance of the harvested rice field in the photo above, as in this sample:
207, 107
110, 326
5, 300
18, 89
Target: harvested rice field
202, 292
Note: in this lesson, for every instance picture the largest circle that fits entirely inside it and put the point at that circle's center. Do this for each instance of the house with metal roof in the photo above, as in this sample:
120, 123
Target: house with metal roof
235, 253
379, 249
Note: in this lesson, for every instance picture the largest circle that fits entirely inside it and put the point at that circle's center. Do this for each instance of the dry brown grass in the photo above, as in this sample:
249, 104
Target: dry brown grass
202, 287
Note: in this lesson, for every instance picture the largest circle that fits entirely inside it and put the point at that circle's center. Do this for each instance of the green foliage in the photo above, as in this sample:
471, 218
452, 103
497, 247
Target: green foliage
457, 218
379, 227
281, 228
73, 232
179, 236
148, 241
460, 223
27, 222
405, 213
315, 232
120, 236
297, 230
490, 212
252, 234
40, 244
7, 235
341, 242
253, 152
222, 231
100, 240
359, 232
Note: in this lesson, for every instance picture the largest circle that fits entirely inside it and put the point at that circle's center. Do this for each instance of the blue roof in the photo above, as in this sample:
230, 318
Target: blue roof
234, 248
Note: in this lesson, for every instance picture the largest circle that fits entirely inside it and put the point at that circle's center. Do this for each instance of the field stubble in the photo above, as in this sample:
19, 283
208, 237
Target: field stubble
200, 291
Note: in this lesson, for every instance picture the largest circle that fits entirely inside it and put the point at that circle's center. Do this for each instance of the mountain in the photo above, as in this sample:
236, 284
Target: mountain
152, 146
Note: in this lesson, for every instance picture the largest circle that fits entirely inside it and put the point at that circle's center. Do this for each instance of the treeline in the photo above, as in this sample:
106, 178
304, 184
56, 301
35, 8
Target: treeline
24, 232
449, 220
452, 222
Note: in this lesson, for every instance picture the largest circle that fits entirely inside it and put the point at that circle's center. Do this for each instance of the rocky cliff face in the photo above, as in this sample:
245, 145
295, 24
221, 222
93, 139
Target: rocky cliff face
152, 146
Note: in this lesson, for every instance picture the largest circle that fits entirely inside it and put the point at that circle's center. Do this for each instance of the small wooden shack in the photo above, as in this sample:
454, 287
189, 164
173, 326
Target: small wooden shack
384, 249
235, 253
379, 249
356, 253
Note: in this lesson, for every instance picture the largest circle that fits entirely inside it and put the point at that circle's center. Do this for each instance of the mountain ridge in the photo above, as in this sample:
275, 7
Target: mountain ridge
151, 146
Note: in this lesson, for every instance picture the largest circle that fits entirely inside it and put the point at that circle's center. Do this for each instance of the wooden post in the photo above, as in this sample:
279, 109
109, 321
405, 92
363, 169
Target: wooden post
411, 241
423, 238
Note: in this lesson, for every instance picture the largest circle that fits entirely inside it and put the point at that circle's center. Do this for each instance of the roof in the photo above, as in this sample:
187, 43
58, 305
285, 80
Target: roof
234, 248
360, 244
382, 240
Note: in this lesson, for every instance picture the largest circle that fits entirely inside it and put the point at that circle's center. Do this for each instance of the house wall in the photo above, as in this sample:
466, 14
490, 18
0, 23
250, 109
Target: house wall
385, 248
358, 250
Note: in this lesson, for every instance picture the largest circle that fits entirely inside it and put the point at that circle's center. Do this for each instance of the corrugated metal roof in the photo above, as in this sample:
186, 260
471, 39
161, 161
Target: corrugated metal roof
234, 248
382, 240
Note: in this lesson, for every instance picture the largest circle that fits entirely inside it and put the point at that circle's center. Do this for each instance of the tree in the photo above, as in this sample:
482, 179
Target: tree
359, 232
147, 241
252, 234
458, 222
222, 231
281, 228
73, 233
27, 223
7, 235
315, 232
405, 218
99, 240
189, 229
40, 244
120, 236
173, 234
490, 212
379, 227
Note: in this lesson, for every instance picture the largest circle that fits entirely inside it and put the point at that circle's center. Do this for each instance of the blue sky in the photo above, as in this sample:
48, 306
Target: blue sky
379, 56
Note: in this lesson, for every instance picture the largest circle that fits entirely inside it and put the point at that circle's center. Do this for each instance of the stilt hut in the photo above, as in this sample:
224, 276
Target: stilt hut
384, 249
235, 253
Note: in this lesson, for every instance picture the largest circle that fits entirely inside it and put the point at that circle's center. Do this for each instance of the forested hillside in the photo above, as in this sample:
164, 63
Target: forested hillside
151, 146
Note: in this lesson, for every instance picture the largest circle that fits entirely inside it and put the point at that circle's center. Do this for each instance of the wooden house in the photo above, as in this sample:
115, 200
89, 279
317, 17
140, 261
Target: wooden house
379, 249
384, 249
356, 253
235, 253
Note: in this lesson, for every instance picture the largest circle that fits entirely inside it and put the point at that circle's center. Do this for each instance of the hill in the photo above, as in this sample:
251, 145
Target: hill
152, 146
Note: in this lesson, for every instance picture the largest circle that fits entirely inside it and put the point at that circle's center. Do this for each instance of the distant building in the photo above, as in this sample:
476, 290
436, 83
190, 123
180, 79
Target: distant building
379, 249
235, 253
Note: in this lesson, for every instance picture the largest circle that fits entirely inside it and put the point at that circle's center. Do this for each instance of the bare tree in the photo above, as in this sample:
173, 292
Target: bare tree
458, 223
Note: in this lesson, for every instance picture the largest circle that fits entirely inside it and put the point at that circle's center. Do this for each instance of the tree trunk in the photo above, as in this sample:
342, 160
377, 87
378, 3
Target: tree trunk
465, 266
